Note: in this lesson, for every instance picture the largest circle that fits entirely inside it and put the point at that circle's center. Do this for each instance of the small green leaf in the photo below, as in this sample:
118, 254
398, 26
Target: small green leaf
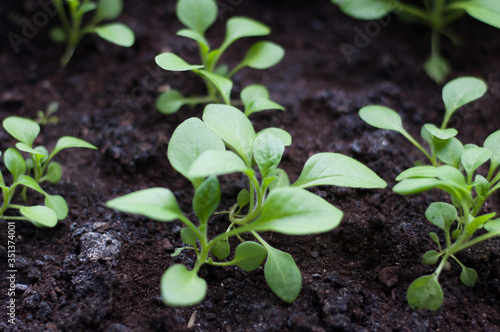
437, 68
281, 180
298, 212
492, 225
206, 199
109, 9
29, 182
449, 151
22, 129
468, 276
441, 214
451, 176
189, 140
240, 27
243, 198
263, 55
197, 15
486, 11
58, 35
434, 238
216, 162
382, 117
425, 293
169, 102
155, 203
26, 148
54, 173
223, 84
116, 33
249, 255
182, 287
415, 186
337, 170
58, 205
431, 257
188, 236
492, 143
255, 98
40, 216
221, 249
170, 61
462, 91
478, 222
474, 157
15, 163
267, 151
456, 233
71, 142
282, 274
441, 133
365, 9
418, 172
284, 136
233, 127
482, 185
192, 34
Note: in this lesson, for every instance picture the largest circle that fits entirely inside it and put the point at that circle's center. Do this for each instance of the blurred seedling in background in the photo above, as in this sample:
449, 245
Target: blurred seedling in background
48, 117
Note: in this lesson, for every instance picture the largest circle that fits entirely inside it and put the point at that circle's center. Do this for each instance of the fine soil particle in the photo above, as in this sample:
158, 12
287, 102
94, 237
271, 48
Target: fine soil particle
99, 270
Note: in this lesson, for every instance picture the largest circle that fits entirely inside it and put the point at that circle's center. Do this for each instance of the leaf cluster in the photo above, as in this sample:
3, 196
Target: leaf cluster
31, 171
225, 142
454, 169
198, 16
73, 26
436, 14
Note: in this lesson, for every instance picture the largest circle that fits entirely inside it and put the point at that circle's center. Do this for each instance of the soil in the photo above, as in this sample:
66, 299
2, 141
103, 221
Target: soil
99, 270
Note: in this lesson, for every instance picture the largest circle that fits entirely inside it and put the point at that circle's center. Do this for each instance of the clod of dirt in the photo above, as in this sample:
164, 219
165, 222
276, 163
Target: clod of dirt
97, 246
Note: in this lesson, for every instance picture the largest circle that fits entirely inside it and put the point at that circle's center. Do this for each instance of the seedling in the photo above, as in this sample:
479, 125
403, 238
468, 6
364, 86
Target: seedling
32, 171
198, 151
454, 169
48, 117
73, 28
198, 16
436, 14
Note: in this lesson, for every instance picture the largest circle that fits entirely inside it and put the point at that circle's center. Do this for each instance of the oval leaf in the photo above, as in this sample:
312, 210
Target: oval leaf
221, 249
468, 276
181, 287
282, 275
492, 143
267, 151
169, 102
216, 162
206, 198
116, 33
440, 133
172, 62
283, 135
22, 129
109, 9
486, 11
474, 157
381, 117
40, 216
431, 257
54, 173
462, 91
71, 142
57, 204
14, 162
197, 15
425, 293
441, 214
249, 255
239, 27
188, 236
263, 55
223, 84
418, 172
365, 9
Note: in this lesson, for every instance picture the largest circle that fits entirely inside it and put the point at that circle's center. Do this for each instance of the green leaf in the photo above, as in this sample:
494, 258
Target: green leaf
191, 34
215, 162
22, 129
255, 98
434, 237
441, 133
29, 182
441, 214
170, 61
57, 204
462, 91
425, 293
188, 236
451, 176
197, 15
243, 198
486, 11
449, 151
169, 102
240, 27
109, 9
472, 158
431, 257
418, 172
267, 151
206, 199
281, 180
297, 212
54, 173
482, 185
15, 163
365, 9
87, 7
437, 68
233, 127
71, 142
58, 35
282, 274
478, 222
337, 170
468, 276
382, 117
40, 216
492, 225
263, 55
189, 140
492, 143
155, 203
223, 84
26, 148
221, 249
283, 135
249, 255
116, 33
182, 287
415, 186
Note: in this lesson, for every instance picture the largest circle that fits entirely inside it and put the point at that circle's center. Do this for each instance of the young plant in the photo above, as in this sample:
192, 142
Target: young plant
436, 14
454, 169
73, 26
198, 151
198, 16
48, 117
32, 171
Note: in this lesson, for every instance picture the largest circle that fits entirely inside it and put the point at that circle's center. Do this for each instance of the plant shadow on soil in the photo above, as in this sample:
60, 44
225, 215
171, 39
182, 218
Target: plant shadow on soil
99, 270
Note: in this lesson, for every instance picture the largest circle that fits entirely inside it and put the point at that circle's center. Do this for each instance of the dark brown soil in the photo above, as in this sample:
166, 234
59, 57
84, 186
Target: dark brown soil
99, 270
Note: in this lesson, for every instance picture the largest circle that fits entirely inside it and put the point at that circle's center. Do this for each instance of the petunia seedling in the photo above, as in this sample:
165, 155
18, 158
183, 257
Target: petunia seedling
198, 16
454, 169
30, 172
225, 142
74, 25
437, 14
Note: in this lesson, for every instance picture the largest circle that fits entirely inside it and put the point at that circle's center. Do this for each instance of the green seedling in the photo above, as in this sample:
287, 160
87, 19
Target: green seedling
74, 26
225, 142
30, 172
48, 117
454, 169
436, 14
198, 16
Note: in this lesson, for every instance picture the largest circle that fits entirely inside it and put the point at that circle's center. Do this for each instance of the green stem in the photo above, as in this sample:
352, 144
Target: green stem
253, 213
474, 241
418, 146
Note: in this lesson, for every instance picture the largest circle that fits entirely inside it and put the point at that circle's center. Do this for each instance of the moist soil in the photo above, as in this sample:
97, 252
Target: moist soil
99, 270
